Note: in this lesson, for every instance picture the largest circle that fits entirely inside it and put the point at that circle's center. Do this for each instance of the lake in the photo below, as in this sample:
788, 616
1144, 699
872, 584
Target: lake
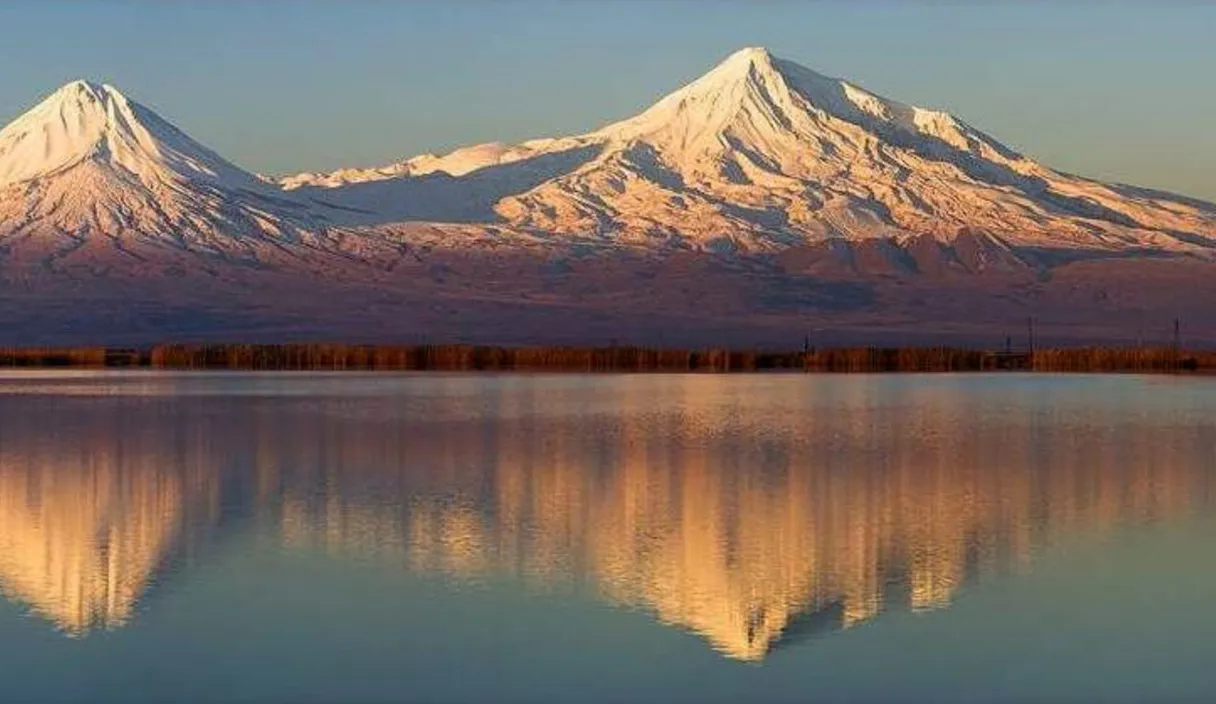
524, 538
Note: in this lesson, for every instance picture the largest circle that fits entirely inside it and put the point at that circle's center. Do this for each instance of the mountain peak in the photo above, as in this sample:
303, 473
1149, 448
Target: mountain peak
85, 88
745, 64
775, 106
83, 100
86, 159
84, 122
763, 146
750, 95
750, 55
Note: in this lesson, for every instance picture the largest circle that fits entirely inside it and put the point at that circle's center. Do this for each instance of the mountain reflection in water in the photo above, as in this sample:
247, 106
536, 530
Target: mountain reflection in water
749, 510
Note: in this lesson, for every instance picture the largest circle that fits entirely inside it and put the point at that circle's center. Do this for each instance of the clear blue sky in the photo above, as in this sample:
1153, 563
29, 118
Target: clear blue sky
1123, 91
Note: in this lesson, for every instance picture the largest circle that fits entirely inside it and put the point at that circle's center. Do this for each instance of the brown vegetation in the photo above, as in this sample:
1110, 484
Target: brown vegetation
608, 359
53, 357
1108, 359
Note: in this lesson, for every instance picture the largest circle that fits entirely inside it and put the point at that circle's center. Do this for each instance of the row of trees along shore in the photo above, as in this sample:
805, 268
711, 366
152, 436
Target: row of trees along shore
610, 359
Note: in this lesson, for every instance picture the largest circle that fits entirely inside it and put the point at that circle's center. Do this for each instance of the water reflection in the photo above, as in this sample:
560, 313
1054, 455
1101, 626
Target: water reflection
751, 512
87, 522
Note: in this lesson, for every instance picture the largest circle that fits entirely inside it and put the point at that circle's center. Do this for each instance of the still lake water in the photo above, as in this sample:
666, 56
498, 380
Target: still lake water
347, 537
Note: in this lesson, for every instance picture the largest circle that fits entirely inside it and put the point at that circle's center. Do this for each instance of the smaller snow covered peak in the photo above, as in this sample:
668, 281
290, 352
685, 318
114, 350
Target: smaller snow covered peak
78, 95
78, 121
86, 160
88, 122
83, 96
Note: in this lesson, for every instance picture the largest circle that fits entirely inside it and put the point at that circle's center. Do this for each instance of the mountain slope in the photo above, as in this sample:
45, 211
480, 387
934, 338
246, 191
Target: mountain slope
761, 153
88, 166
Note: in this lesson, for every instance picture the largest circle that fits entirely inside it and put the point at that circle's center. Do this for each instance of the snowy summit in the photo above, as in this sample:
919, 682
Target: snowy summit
87, 123
88, 160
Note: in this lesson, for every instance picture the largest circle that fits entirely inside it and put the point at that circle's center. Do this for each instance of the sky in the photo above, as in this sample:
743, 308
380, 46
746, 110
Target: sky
1121, 91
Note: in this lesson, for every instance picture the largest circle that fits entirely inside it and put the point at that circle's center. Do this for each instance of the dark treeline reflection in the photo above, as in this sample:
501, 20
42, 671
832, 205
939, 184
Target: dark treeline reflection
750, 511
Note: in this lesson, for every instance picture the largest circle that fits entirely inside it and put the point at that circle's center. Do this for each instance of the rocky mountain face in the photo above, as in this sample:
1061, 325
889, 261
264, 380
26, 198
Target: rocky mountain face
759, 202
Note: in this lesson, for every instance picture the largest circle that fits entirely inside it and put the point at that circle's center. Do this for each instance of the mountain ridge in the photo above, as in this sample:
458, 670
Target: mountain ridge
760, 153
759, 197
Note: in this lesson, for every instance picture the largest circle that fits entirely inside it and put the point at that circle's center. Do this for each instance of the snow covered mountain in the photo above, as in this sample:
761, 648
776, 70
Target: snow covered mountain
88, 164
761, 154
760, 198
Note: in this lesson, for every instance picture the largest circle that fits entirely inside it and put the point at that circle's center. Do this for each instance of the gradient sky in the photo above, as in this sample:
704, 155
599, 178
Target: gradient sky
1120, 91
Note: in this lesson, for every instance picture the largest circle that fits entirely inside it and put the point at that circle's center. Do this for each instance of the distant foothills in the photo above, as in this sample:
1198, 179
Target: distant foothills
761, 204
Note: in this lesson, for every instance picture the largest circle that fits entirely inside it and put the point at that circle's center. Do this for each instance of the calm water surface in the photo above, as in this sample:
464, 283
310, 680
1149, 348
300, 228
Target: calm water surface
610, 538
